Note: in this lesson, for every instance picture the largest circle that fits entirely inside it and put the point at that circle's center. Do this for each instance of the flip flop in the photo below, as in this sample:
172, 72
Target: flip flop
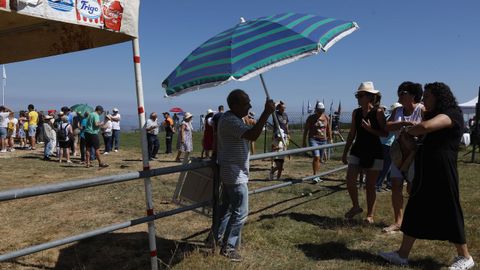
103, 165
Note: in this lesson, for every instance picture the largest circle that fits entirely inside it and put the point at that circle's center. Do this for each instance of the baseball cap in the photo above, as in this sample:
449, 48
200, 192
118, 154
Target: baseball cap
99, 108
319, 106
115, 110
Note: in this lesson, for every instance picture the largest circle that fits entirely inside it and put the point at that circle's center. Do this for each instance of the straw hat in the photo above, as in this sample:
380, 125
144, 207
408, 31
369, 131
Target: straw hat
188, 115
367, 87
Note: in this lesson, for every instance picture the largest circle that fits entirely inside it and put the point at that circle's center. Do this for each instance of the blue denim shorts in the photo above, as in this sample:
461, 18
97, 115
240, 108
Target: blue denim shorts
317, 142
32, 130
3, 132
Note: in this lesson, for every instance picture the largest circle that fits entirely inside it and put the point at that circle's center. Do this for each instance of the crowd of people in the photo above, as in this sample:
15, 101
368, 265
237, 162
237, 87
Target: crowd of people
415, 142
64, 134
428, 129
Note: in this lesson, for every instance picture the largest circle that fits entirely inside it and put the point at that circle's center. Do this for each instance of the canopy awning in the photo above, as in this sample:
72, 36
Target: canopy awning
469, 106
32, 29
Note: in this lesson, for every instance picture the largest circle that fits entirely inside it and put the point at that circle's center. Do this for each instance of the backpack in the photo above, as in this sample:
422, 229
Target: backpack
62, 134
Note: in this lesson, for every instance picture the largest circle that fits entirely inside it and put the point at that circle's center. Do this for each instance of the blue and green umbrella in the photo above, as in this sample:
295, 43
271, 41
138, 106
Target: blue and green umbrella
81, 108
253, 47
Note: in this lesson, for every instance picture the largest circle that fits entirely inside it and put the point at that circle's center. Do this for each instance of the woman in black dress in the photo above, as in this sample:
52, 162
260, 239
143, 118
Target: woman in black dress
433, 210
368, 124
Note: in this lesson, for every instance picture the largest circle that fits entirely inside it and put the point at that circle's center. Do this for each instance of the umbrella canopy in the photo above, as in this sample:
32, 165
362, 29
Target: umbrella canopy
176, 110
81, 108
253, 47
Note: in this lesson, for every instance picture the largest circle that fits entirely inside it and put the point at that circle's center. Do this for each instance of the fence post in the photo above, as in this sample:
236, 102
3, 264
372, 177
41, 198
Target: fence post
146, 163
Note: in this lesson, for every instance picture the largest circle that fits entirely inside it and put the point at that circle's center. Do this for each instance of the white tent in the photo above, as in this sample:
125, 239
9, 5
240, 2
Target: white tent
469, 106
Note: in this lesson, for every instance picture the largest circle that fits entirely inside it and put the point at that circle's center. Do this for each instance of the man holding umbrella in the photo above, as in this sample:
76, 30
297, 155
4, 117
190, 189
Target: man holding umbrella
233, 137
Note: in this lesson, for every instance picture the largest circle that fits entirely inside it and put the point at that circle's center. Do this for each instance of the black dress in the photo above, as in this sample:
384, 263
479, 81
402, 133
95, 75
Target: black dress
433, 210
367, 147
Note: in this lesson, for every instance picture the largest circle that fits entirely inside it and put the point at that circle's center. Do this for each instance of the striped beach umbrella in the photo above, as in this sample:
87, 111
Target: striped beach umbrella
253, 47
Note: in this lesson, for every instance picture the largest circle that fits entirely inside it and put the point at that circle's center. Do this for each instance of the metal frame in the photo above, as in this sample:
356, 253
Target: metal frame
105, 180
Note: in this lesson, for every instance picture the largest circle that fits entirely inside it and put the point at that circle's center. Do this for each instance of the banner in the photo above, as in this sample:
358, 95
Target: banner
112, 13
89, 12
62, 10
4, 4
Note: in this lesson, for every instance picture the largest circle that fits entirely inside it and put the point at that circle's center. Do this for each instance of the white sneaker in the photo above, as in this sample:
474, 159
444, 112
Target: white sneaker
116, 150
106, 153
462, 263
3, 151
317, 180
12, 149
394, 258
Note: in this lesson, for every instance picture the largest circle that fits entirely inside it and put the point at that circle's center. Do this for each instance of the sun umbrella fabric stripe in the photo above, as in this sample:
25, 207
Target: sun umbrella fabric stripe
255, 46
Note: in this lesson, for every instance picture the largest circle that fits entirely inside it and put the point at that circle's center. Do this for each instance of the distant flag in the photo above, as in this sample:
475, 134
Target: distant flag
331, 108
339, 110
309, 108
303, 107
4, 83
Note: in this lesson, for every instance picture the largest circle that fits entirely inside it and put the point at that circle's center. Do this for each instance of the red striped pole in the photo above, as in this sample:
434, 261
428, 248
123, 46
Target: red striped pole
146, 165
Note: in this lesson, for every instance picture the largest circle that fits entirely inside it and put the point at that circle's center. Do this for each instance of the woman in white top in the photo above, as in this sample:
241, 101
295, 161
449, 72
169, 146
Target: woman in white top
64, 135
411, 112
107, 132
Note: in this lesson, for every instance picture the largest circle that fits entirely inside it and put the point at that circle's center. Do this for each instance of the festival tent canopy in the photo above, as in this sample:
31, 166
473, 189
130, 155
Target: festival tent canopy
32, 29
469, 106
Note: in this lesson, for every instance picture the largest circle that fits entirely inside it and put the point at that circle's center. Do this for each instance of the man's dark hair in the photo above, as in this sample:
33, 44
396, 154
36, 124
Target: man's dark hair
414, 89
444, 99
31, 107
220, 108
235, 96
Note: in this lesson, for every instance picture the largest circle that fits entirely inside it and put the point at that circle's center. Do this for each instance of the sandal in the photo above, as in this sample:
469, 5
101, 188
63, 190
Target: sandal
369, 220
353, 212
103, 165
391, 229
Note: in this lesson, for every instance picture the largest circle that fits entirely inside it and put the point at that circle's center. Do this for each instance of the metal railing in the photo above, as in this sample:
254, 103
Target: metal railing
105, 180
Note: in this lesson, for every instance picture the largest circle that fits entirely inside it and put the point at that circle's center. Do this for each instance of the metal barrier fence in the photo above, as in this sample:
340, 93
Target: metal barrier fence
84, 183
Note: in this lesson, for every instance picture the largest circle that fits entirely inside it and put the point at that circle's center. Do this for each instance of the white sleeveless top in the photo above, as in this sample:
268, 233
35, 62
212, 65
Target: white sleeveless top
415, 117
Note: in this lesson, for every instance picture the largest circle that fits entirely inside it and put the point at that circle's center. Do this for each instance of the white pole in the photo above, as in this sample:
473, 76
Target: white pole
146, 164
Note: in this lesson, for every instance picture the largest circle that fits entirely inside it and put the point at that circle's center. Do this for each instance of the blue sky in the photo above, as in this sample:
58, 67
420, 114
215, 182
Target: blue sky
421, 41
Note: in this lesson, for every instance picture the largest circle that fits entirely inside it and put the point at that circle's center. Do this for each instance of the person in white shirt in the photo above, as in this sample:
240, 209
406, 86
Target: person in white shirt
152, 128
4, 113
115, 116
107, 134
12, 127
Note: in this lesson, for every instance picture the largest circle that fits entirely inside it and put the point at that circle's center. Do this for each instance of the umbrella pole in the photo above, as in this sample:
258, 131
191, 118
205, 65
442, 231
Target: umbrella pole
146, 163
274, 115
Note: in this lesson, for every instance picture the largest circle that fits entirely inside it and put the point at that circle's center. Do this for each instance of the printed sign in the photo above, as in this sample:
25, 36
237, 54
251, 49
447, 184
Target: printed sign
33, 7
62, 10
61, 5
112, 14
3, 4
90, 12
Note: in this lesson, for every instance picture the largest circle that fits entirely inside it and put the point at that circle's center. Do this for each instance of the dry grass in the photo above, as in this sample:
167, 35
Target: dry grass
285, 230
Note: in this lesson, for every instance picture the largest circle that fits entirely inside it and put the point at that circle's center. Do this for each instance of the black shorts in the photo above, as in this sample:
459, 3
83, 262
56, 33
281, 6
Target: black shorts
91, 140
64, 144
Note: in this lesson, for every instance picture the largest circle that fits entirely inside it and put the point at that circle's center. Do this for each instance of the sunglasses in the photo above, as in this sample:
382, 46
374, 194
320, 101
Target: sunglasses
402, 93
360, 95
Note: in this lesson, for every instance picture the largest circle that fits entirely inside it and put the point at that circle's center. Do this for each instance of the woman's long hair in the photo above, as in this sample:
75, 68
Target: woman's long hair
444, 99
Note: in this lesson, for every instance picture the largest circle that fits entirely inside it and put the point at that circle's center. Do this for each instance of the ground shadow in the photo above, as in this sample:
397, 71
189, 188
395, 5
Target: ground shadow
323, 222
31, 157
121, 251
339, 251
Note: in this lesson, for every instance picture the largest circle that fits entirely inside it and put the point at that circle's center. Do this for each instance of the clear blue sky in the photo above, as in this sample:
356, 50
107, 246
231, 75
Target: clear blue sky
421, 41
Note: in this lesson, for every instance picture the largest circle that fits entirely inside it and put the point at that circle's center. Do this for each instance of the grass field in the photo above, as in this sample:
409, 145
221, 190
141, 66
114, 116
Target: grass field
286, 229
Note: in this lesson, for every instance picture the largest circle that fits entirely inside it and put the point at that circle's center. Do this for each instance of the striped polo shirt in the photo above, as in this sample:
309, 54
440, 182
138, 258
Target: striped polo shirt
233, 151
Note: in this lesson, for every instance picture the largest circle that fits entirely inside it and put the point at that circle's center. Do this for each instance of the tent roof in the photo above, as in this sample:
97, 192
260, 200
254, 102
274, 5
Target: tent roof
471, 103
40, 31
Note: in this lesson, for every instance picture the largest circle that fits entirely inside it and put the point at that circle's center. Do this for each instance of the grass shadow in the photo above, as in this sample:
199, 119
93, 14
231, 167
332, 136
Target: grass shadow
121, 251
339, 251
